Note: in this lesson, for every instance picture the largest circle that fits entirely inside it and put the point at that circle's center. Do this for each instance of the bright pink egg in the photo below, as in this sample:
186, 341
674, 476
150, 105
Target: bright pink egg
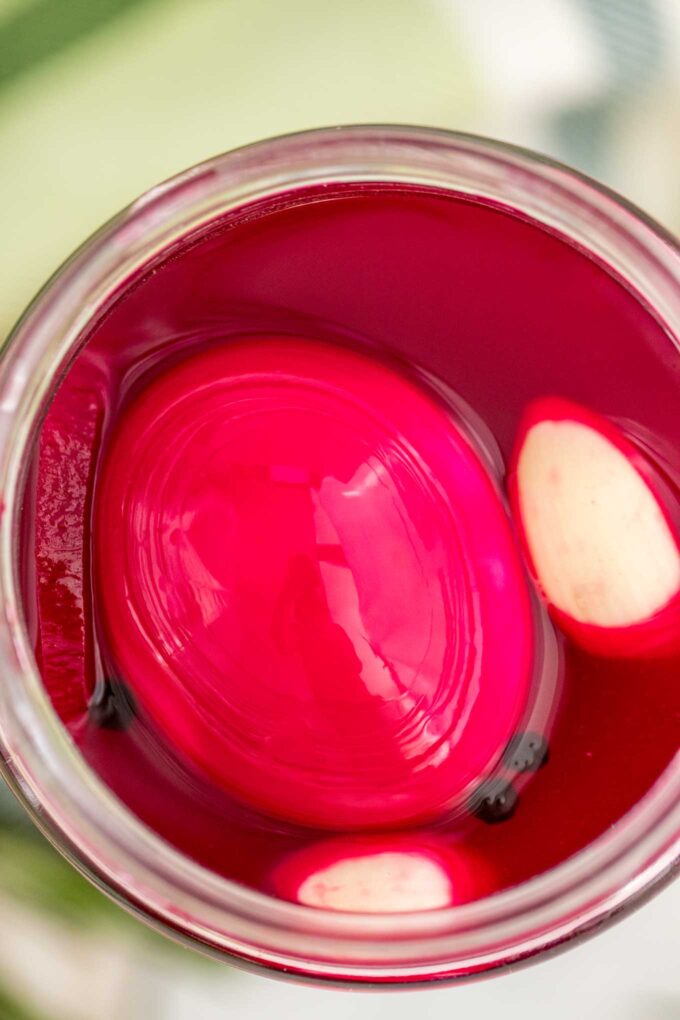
380, 875
601, 530
308, 578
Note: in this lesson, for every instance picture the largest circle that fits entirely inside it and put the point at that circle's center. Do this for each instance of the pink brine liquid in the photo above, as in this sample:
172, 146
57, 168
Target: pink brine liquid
351, 549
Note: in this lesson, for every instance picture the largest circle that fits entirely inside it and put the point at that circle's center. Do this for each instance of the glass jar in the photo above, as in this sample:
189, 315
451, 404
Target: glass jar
69, 802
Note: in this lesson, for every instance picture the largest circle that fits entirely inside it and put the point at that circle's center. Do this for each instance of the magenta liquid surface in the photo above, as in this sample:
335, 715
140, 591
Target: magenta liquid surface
255, 496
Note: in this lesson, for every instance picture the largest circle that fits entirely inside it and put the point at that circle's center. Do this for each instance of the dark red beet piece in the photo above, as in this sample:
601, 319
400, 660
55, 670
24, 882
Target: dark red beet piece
68, 443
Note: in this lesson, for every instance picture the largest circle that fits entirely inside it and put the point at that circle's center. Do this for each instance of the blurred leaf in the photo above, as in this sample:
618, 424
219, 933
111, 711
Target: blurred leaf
11, 1009
32, 872
12, 814
37, 30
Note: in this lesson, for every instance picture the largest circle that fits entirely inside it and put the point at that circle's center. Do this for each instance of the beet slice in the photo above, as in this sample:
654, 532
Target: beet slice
599, 524
66, 462
388, 875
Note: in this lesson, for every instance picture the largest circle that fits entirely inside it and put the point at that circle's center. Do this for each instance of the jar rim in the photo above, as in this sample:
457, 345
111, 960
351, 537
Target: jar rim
69, 801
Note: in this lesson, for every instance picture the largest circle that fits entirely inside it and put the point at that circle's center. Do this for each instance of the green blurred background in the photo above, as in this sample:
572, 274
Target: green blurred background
99, 100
